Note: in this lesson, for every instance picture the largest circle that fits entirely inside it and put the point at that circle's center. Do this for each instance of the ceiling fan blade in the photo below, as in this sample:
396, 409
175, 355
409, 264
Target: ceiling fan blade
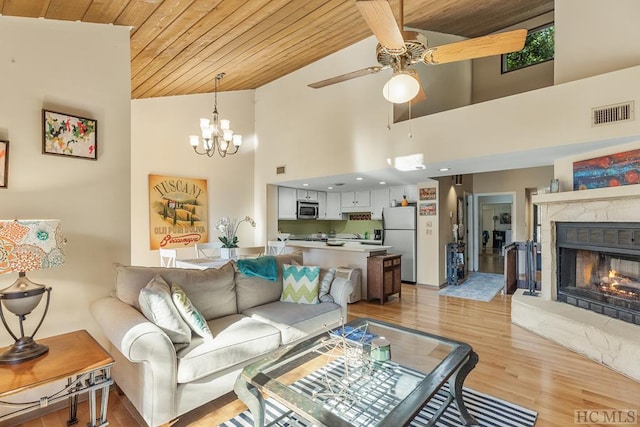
493, 44
380, 19
348, 76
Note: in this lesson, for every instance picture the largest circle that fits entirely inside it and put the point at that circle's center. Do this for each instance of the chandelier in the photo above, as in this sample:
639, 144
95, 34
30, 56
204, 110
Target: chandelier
216, 133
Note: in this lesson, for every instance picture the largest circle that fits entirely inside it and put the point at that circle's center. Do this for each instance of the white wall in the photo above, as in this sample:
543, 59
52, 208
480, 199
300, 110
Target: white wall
595, 37
160, 129
78, 69
429, 259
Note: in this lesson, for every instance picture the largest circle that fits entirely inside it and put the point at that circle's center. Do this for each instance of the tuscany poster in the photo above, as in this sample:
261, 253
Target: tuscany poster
177, 211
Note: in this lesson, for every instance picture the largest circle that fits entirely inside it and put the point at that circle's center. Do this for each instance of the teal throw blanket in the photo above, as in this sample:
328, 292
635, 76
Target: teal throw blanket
264, 267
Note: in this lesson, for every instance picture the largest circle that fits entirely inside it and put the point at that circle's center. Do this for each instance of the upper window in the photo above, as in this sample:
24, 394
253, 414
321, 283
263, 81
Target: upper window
538, 47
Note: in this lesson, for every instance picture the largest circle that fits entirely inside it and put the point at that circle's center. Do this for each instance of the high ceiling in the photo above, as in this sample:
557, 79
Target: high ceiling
178, 46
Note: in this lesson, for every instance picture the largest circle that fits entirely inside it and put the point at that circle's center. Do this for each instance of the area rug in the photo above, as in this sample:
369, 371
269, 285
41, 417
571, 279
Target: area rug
478, 286
487, 410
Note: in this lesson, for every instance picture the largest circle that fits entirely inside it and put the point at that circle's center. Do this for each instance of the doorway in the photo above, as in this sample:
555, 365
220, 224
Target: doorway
494, 230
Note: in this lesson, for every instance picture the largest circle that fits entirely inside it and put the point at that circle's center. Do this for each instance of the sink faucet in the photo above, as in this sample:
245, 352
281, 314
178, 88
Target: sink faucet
357, 236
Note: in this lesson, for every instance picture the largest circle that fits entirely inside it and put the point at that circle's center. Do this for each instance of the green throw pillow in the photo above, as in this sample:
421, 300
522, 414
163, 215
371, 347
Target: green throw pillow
189, 312
300, 284
157, 306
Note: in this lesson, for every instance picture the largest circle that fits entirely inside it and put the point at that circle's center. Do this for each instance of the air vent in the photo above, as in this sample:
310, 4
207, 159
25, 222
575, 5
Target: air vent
280, 170
612, 114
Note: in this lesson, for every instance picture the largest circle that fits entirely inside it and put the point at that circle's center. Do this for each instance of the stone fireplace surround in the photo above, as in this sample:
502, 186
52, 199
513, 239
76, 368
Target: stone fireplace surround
612, 342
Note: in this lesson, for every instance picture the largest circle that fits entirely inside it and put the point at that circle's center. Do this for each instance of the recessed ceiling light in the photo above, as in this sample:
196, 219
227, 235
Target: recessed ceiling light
383, 182
444, 169
359, 178
305, 185
329, 188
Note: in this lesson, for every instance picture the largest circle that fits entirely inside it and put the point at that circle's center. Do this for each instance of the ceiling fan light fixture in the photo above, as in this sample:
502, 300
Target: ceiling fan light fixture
402, 87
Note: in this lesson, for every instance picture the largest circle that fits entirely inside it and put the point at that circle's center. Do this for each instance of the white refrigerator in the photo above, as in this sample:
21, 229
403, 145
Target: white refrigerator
399, 231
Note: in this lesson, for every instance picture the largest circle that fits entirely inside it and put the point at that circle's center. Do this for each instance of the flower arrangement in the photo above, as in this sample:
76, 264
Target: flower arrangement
229, 227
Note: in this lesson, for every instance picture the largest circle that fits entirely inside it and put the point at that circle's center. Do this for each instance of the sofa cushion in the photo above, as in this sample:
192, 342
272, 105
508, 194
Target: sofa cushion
300, 284
296, 321
237, 339
189, 313
254, 291
157, 306
212, 291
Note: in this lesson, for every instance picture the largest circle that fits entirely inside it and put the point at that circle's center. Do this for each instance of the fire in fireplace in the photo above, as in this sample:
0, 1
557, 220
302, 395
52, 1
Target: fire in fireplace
599, 267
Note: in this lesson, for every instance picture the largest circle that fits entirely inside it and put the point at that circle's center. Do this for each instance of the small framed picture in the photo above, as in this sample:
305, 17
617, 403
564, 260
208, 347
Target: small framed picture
428, 209
4, 163
428, 193
71, 136
555, 186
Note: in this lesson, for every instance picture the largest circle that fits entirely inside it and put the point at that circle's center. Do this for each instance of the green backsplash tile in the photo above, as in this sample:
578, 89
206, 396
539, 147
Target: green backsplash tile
311, 226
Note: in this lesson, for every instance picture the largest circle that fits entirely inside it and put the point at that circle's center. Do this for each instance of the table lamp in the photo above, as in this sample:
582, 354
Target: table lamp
27, 245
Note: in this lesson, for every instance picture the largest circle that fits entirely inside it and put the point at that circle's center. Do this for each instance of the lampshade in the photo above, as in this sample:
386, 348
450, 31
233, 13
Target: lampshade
401, 87
30, 245
27, 245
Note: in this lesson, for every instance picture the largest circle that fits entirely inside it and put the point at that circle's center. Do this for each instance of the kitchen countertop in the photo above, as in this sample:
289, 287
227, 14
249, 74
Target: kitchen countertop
351, 246
365, 241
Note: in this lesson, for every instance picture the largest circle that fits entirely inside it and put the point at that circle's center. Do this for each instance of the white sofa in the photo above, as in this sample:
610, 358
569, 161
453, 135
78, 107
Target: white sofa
244, 314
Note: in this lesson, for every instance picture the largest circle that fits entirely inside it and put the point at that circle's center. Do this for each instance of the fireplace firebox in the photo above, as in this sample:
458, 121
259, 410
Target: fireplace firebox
598, 267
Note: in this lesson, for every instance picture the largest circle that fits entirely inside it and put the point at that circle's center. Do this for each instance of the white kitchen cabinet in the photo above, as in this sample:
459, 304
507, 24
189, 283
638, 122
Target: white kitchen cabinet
411, 191
307, 195
334, 210
322, 205
356, 201
287, 203
379, 200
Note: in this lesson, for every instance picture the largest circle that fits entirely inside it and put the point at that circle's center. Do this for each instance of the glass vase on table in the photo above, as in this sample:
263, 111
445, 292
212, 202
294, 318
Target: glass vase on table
228, 253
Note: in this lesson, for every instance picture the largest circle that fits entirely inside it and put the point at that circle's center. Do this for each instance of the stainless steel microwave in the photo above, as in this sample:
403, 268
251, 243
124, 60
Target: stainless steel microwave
307, 210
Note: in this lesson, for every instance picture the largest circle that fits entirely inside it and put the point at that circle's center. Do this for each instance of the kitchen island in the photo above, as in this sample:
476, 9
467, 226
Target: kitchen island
351, 254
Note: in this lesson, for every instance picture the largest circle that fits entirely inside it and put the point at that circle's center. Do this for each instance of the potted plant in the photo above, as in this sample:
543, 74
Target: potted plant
228, 228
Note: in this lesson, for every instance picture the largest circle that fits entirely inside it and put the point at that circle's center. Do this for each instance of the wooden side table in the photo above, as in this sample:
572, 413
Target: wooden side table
383, 276
75, 356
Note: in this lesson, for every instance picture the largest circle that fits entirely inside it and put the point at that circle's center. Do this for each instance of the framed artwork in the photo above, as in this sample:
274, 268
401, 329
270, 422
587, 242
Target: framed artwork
4, 163
427, 209
505, 218
70, 136
428, 193
177, 211
607, 171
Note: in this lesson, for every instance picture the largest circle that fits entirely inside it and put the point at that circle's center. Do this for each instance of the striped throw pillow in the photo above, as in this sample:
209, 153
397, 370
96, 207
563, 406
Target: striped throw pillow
300, 284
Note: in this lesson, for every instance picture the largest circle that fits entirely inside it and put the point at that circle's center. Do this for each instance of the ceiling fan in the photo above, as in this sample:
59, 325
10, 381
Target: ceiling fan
398, 49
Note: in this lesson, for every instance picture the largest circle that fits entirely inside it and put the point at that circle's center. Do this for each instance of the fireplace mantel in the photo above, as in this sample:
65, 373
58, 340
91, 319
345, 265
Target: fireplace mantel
626, 191
609, 341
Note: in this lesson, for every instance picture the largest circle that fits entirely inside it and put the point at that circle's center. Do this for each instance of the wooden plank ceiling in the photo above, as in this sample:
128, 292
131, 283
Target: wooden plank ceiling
178, 46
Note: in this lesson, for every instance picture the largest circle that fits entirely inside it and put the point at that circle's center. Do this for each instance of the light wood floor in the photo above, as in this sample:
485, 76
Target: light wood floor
515, 364
490, 261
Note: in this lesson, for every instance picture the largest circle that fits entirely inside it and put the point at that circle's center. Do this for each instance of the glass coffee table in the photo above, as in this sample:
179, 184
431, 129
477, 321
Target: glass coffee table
367, 372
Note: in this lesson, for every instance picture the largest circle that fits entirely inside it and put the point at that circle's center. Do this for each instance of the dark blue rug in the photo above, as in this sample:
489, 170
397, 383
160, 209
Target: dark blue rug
477, 286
